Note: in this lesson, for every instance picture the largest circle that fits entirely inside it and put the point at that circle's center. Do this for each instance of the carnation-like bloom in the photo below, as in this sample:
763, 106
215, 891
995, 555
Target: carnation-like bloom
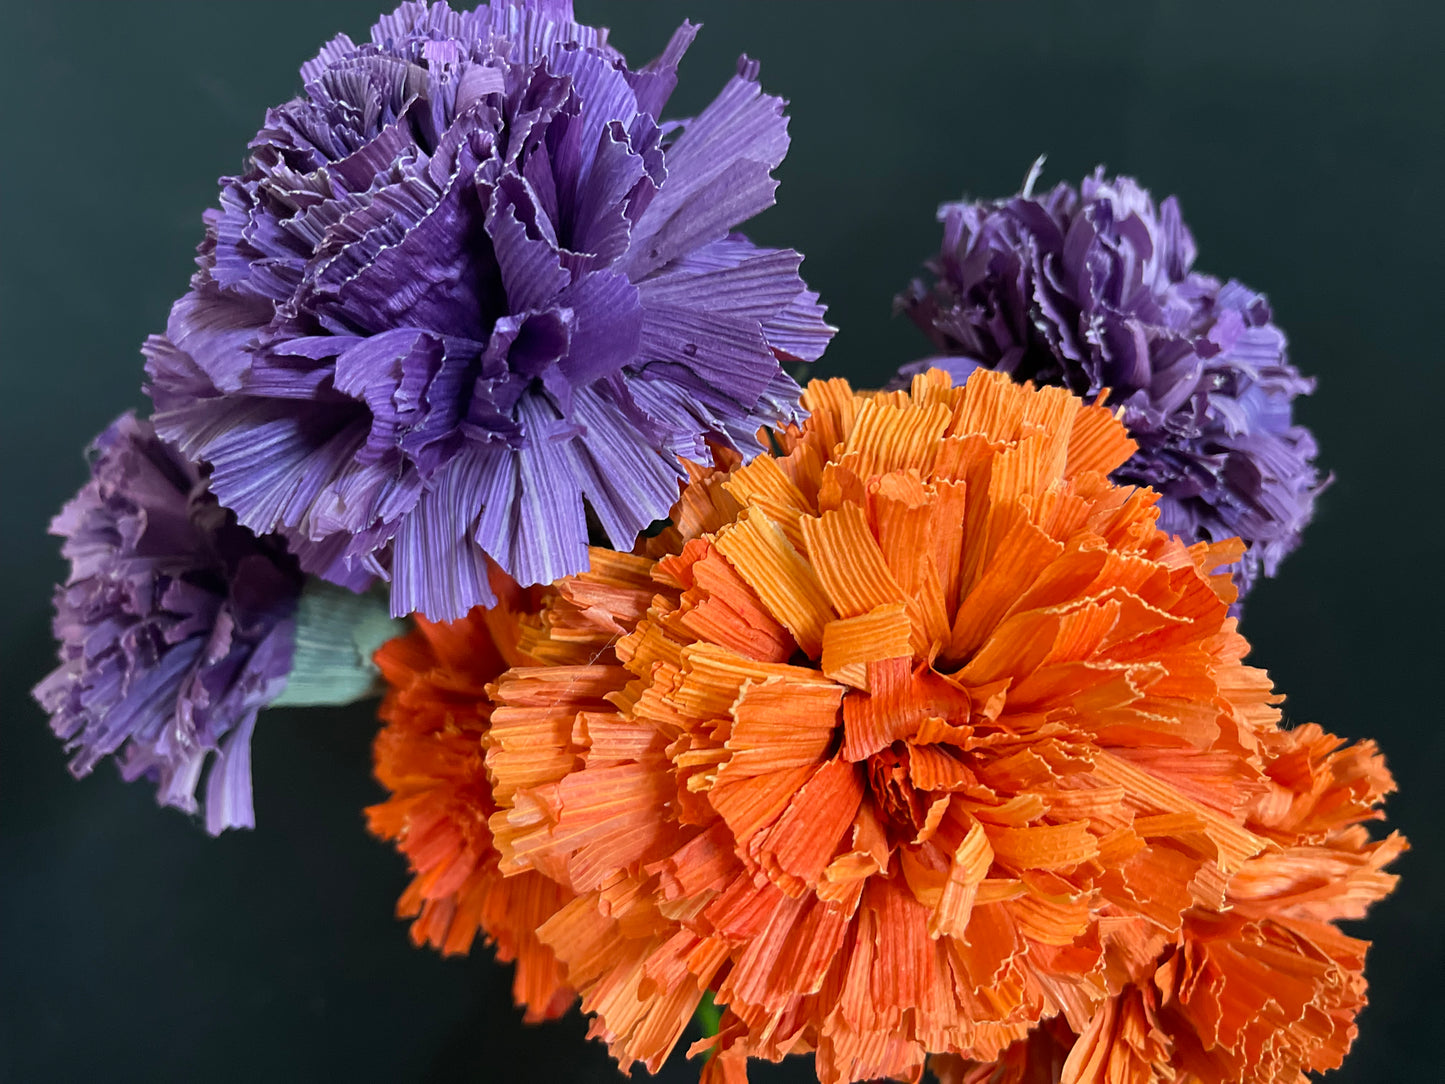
470, 291
1094, 288
1266, 989
917, 735
429, 755
175, 627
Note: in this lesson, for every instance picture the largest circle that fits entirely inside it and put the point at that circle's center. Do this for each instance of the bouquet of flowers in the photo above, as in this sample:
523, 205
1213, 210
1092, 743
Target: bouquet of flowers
909, 728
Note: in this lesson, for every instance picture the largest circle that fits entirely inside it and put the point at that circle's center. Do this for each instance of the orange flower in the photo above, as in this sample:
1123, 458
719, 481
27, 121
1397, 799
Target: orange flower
1266, 989
900, 742
429, 755
1039, 1059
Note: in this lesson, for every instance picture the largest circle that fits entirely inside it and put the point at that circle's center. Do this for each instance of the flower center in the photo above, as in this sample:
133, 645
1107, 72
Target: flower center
895, 796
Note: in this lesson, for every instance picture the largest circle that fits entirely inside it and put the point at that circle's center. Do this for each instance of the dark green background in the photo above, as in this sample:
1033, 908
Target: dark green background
1304, 141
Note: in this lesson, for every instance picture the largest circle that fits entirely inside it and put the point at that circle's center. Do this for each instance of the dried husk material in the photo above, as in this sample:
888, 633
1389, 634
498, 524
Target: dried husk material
1094, 287
469, 289
337, 633
901, 742
176, 626
1265, 989
429, 755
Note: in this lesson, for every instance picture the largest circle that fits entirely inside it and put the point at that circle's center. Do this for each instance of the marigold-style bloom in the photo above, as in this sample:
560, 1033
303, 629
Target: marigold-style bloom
176, 626
1094, 288
1267, 989
429, 755
470, 290
900, 742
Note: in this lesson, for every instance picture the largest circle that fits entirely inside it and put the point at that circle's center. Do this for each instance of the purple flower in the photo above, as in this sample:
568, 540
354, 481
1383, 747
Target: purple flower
175, 627
470, 290
1093, 288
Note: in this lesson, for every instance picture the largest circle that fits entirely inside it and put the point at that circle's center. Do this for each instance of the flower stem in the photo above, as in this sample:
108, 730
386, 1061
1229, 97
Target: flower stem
337, 632
708, 1016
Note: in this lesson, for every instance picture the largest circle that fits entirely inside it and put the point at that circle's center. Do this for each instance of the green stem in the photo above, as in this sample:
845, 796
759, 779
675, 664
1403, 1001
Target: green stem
337, 632
708, 1016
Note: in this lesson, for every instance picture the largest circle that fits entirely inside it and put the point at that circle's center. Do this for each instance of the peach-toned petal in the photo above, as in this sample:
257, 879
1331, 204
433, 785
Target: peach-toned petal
1235, 843
790, 955
763, 485
1097, 443
850, 644
780, 724
831, 407
609, 973
762, 555
795, 851
1021, 557
890, 710
971, 863
1056, 846
1015, 649
730, 1068
843, 551
901, 513
726, 612
1121, 1045
936, 768
889, 438
752, 804
1323, 883
611, 812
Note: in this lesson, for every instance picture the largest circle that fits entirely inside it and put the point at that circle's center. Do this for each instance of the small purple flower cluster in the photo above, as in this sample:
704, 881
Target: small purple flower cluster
1094, 288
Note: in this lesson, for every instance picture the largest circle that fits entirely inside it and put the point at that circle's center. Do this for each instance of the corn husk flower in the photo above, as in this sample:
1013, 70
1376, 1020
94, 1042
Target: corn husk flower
429, 756
175, 627
1094, 287
901, 742
470, 289
1267, 988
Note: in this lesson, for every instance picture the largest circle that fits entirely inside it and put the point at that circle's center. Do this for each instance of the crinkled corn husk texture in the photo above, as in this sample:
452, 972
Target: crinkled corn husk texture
921, 737
1094, 287
176, 626
429, 755
1265, 989
470, 287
